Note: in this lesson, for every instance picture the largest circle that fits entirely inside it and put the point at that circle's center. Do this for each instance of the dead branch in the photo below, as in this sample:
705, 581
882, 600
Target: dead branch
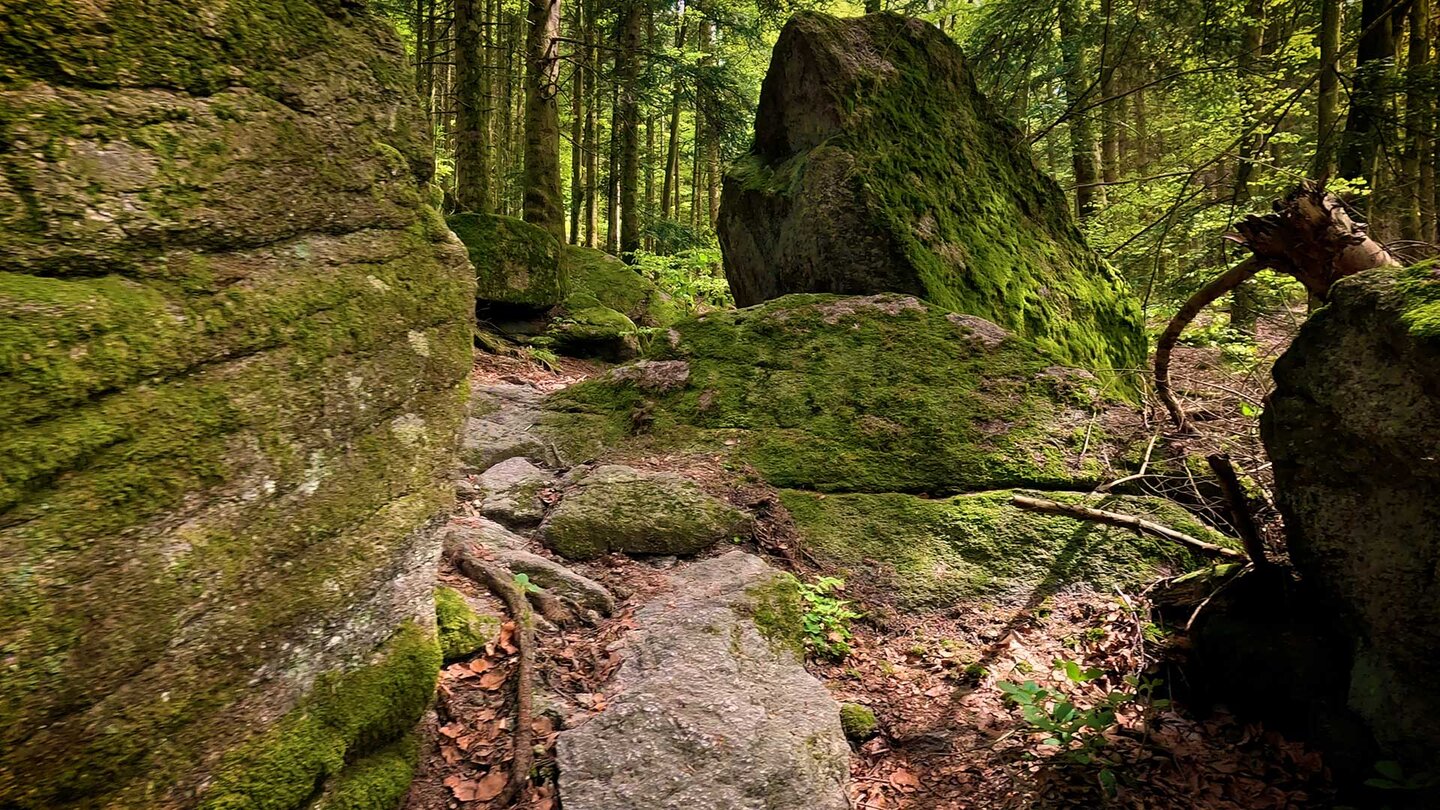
1231, 279
1135, 524
469, 559
1239, 510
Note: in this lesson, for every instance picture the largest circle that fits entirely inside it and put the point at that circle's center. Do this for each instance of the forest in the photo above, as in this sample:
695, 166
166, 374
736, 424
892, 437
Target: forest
734, 404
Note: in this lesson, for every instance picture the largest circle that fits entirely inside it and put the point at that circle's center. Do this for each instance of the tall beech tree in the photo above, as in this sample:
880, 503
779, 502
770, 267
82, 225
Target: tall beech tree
543, 201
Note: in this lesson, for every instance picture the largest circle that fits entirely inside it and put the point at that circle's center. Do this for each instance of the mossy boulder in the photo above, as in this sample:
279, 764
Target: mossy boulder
1353, 429
618, 508
516, 263
588, 328
618, 286
858, 722
878, 166
931, 553
882, 393
233, 345
463, 632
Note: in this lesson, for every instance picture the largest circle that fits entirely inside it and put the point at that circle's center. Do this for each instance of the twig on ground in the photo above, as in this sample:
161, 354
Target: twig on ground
1135, 524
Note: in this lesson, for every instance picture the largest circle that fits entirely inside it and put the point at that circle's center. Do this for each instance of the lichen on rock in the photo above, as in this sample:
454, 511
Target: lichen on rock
878, 166
618, 508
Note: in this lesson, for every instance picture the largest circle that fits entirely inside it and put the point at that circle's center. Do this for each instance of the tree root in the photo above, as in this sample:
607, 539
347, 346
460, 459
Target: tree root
471, 560
1135, 524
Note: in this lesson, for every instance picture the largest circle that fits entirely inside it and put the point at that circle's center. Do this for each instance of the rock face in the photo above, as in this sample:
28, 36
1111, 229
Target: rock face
232, 342
516, 263
1353, 429
878, 166
501, 426
868, 394
618, 508
714, 708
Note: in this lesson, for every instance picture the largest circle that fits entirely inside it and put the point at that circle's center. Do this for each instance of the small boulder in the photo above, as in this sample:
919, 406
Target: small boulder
516, 263
588, 328
618, 508
510, 492
713, 709
462, 630
858, 722
618, 286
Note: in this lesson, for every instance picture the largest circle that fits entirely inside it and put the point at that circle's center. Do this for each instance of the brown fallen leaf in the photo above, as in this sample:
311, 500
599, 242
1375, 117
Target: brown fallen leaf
905, 780
491, 681
490, 786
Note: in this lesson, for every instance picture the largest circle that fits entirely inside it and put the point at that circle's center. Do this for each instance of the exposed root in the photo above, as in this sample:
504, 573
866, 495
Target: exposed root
1135, 524
470, 559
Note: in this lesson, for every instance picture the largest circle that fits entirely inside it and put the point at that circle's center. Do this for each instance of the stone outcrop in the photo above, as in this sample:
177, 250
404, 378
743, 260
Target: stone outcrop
713, 707
516, 263
1353, 429
232, 345
882, 393
510, 492
878, 166
618, 508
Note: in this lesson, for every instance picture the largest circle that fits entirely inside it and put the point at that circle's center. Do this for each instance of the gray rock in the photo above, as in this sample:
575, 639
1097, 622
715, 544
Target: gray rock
1353, 429
510, 550
510, 491
618, 508
502, 426
710, 712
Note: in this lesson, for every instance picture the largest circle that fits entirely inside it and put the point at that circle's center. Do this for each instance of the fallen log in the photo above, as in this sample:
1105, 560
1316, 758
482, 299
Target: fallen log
1135, 524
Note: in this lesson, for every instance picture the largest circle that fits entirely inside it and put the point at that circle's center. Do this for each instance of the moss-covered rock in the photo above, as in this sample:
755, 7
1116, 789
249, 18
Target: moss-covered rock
1353, 429
933, 553
878, 166
515, 262
858, 722
875, 394
463, 632
587, 328
617, 286
233, 340
617, 508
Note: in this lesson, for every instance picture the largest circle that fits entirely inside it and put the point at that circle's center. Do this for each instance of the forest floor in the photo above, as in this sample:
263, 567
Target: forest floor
949, 739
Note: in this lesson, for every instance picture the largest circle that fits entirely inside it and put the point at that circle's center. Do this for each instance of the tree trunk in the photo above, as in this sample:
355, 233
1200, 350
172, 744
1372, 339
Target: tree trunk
1109, 126
672, 152
592, 143
1374, 73
628, 126
1082, 127
542, 199
1328, 111
1419, 121
577, 121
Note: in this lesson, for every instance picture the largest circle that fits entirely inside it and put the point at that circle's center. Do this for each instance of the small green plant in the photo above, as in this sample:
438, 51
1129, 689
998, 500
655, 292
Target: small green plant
522, 581
544, 357
1392, 776
1079, 733
827, 618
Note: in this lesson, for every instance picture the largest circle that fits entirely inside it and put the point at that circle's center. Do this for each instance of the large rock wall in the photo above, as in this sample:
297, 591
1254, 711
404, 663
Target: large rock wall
232, 345
879, 167
1353, 429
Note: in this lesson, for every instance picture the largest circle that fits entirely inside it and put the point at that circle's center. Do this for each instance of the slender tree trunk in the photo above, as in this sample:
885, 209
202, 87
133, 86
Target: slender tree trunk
543, 204
668, 192
628, 125
592, 141
1109, 126
711, 132
1082, 128
1374, 73
577, 120
1328, 110
471, 173
612, 177
650, 124
1419, 121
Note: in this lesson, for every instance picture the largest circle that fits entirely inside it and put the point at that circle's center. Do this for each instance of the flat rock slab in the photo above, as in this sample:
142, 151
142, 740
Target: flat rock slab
618, 508
510, 492
710, 712
502, 426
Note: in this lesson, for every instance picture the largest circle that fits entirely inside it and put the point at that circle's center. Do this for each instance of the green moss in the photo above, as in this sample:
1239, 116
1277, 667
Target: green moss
984, 230
861, 395
515, 262
462, 631
612, 284
858, 722
779, 613
1419, 290
935, 553
345, 715
380, 781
